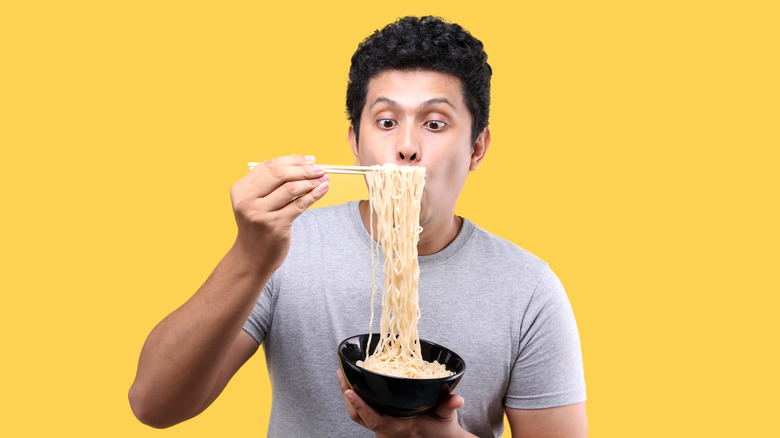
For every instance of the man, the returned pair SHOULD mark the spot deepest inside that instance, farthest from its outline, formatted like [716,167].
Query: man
[296,280]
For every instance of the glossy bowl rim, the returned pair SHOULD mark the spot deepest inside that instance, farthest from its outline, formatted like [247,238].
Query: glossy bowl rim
[431,379]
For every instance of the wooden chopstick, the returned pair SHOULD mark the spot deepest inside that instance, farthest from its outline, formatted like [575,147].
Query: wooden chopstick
[346,170]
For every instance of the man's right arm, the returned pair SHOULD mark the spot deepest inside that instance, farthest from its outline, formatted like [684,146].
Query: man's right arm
[189,357]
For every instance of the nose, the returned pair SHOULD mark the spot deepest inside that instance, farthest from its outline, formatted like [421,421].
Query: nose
[408,149]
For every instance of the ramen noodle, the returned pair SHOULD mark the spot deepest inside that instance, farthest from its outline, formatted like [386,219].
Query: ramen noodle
[394,196]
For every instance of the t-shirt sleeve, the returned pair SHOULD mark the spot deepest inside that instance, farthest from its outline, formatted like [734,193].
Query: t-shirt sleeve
[259,320]
[548,369]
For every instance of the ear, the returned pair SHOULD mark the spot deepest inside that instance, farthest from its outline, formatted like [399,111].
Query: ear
[481,147]
[352,139]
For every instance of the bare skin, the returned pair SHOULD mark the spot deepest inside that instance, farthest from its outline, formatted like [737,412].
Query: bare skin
[420,118]
[569,421]
[190,356]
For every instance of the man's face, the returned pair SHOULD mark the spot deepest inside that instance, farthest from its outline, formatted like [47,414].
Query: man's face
[419,118]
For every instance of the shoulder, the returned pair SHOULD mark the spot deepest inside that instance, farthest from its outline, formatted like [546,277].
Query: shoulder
[327,232]
[327,213]
[488,249]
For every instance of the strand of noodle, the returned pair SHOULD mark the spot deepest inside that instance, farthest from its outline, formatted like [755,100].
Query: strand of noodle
[394,196]
[374,260]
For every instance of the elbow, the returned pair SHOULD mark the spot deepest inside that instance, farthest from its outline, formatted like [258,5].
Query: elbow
[146,411]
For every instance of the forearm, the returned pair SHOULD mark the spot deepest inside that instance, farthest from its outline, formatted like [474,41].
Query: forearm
[181,359]
[192,353]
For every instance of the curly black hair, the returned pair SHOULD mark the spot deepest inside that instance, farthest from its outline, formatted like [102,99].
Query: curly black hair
[424,43]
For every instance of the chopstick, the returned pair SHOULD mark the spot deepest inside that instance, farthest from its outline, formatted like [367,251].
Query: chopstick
[346,170]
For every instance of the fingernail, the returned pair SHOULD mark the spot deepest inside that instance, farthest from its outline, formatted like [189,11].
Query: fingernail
[322,187]
[325,177]
[351,397]
[309,158]
[317,168]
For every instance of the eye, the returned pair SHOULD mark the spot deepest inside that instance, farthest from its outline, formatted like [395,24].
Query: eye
[435,125]
[387,123]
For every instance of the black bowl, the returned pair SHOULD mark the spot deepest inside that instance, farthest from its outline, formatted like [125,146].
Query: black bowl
[399,396]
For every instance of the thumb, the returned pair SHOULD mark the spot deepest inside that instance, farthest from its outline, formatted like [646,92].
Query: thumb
[447,409]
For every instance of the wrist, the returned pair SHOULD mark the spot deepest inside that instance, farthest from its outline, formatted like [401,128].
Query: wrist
[246,264]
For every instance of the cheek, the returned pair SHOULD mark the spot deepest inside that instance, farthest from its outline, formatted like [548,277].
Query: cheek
[374,151]
[453,172]
[366,154]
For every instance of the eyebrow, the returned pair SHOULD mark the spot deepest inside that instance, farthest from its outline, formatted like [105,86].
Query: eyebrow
[436,100]
[428,102]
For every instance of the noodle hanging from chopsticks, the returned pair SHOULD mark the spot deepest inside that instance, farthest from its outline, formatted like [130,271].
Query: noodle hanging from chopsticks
[394,196]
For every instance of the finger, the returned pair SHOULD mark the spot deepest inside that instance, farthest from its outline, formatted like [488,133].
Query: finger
[448,408]
[344,388]
[288,160]
[342,381]
[369,417]
[294,159]
[290,190]
[301,203]
[270,174]
[266,178]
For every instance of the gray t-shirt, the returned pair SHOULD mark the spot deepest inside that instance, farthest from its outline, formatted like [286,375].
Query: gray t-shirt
[496,305]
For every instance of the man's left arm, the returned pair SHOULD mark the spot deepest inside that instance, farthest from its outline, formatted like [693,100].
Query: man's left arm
[570,421]
[552,402]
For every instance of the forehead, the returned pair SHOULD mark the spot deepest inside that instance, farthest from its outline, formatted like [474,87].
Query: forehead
[414,87]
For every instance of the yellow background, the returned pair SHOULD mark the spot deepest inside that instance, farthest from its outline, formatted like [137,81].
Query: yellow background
[635,150]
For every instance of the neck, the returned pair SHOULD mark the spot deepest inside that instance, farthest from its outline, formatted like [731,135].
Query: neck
[435,236]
